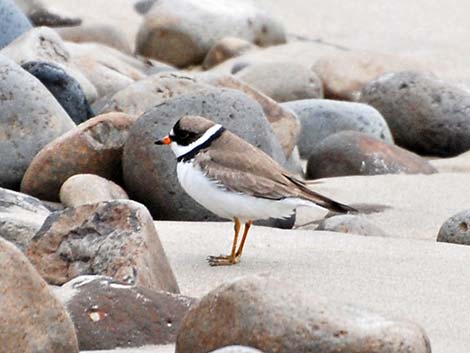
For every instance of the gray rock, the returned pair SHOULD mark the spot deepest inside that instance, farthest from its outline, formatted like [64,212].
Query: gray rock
[21,216]
[108,314]
[274,316]
[150,170]
[181,32]
[113,238]
[63,87]
[426,115]
[143,6]
[82,189]
[456,229]
[351,224]
[237,349]
[13,22]
[33,319]
[30,118]
[321,118]
[355,153]
[283,81]
[224,49]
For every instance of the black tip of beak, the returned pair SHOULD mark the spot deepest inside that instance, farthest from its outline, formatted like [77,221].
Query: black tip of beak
[159,142]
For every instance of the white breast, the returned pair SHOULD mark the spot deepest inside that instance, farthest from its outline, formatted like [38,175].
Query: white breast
[227,204]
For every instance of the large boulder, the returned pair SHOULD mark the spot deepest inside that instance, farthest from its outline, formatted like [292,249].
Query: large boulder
[30,117]
[262,312]
[113,238]
[181,32]
[33,319]
[13,22]
[426,115]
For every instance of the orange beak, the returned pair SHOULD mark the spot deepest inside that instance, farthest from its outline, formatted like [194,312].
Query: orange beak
[164,141]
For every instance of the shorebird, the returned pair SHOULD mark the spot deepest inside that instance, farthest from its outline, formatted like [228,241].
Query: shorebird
[236,180]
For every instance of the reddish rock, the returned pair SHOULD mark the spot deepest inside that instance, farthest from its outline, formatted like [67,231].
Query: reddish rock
[114,238]
[355,153]
[226,48]
[93,147]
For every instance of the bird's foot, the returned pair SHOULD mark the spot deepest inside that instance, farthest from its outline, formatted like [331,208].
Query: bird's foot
[223,260]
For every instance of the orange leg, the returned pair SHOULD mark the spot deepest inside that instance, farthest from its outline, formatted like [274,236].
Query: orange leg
[242,243]
[232,259]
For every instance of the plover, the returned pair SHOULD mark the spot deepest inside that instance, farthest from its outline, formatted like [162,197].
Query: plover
[236,180]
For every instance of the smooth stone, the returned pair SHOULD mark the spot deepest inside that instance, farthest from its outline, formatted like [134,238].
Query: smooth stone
[13,22]
[21,216]
[237,349]
[456,229]
[150,170]
[320,118]
[285,124]
[265,312]
[355,153]
[33,319]
[345,73]
[30,118]
[83,189]
[283,81]
[41,14]
[224,49]
[94,147]
[112,238]
[106,34]
[143,6]
[181,32]
[351,224]
[108,314]
[63,87]
[426,115]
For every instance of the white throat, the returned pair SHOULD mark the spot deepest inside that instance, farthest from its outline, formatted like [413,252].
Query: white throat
[179,150]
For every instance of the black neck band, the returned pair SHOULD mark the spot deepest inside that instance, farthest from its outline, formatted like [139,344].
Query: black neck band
[190,155]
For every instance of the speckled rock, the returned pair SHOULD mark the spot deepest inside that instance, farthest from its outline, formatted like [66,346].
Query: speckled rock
[262,312]
[320,118]
[108,314]
[426,115]
[226,48]
[21,216]
[283,81]
[351,224]
[63,87]
[82,189]
[30,118]
[150,170]
[355,153]
[33,319]
[112,238]
[181,32]
[13,22]
[93,147]
[456,229]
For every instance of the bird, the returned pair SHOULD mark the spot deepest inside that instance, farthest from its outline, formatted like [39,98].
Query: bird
[236,180]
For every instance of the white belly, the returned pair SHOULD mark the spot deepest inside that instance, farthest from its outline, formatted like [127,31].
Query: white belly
[227,204]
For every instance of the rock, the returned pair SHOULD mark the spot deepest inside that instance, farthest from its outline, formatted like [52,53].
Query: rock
[181,32]
[137,98]
[226,48]
[143,6]
[426,115]
[63,87]
[345,73]
[21,216]
[321,118]
[263,312]
[351,224]
[33,319]
[150,170]
[283,81]
[284,123]
[112,238]
[108,314]
[82,189]
[30,118]
[236,349]
[459,164]
[45,45]
[355,153]
[13,22]
[42,15]
[99,33]
[456,229]
[93,147]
